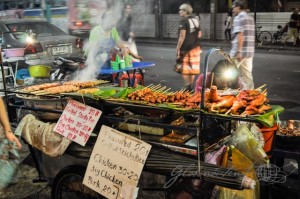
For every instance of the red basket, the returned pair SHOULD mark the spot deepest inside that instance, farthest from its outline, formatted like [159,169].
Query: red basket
[138,80]
[269,134]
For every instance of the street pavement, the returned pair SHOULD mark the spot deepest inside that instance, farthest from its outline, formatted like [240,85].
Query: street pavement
[280,48]
[24,188]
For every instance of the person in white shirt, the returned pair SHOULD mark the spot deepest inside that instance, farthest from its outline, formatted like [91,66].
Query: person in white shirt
[228,24]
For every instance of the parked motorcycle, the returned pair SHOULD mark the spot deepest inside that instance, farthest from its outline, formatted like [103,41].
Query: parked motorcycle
[68,67]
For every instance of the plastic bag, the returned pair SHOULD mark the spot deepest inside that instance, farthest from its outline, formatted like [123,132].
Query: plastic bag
[241,163]
[257,134]
[245,142]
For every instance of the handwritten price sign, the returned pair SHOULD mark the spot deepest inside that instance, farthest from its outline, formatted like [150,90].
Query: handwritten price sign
[77,122]
[116,164]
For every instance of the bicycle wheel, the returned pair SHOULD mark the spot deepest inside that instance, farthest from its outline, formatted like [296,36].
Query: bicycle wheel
[265,37]
[68,185]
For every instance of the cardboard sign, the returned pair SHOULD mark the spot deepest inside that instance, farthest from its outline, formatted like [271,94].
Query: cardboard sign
[116,163]
[77,122]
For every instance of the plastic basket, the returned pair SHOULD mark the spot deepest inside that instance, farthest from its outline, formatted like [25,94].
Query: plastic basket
[14,52]
[114,65]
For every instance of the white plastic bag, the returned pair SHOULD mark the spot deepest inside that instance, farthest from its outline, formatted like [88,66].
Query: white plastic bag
[245,142]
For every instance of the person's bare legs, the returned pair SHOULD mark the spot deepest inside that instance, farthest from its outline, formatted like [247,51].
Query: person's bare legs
[189,80]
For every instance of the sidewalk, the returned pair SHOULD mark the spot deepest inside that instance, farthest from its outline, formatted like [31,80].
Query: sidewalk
[218,43]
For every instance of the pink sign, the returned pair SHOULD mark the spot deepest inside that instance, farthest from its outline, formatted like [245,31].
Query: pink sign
[77,122]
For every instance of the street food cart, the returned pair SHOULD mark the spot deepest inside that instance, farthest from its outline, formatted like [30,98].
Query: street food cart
[176,124]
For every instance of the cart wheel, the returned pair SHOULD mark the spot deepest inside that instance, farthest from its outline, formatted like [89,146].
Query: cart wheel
[68,185]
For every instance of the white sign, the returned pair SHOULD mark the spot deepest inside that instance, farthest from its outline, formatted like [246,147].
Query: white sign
[77,122]
[116,163]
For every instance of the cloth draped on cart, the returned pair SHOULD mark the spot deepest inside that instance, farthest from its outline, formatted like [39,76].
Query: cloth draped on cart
[41,136]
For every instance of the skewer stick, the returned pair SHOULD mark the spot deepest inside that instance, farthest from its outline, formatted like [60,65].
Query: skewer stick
[166,90]
[149,85]
[228,112]
[212,79]
[260,87]
[39,91]
[264,91]
[155,87]
[44,93]
[161,89]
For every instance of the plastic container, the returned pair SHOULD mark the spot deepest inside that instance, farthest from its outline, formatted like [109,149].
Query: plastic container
[22,74]
[39,71]
[128,61]
[269,134]
[288,141]
[122,64]
[14,52]
[114,65]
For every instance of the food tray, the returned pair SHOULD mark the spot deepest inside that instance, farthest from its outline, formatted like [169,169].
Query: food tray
[288,142]
[44,103]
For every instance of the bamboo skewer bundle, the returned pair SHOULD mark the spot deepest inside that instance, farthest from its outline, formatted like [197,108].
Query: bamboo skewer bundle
[164,161]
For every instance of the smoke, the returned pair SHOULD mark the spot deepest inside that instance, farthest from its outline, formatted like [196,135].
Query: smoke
[97,50]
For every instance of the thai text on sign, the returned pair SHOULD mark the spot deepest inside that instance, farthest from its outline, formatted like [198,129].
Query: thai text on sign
[116,163]
[77,122]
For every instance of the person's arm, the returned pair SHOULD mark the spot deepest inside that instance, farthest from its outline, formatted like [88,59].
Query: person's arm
[240,37]
[6,126]
[199,34]
[198,86]
[181,39]
[131,32]
[122,45]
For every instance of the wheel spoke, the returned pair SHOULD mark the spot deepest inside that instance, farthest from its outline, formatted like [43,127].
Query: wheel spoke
[265,37]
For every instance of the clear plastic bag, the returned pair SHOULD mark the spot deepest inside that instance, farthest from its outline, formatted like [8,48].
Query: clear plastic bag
[257,134]
[245,142]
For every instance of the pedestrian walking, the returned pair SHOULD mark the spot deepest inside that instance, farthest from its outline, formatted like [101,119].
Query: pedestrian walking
[243,42]
[293,27]
[6,129]
[188,47]
[9,144]
[124,27]
[228,25]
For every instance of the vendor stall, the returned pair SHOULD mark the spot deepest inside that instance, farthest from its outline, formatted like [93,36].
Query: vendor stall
[181,126]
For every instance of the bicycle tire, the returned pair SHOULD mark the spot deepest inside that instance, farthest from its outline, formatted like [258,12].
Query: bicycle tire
[265,37]
[68,185]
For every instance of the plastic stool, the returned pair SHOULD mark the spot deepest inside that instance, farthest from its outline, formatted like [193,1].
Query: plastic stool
[139,79]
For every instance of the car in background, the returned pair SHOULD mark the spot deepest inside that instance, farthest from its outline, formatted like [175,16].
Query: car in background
[42,41]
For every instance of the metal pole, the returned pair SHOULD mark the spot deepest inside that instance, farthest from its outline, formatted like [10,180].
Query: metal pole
[200,137]
[255,11]
[3,78]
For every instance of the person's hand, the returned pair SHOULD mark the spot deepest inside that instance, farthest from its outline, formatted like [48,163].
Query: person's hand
[131,34]
[11,137]
[140,58]
[177,53]
[239,56]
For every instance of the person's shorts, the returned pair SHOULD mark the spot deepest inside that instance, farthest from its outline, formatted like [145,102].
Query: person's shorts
[191,62]
[294,32]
